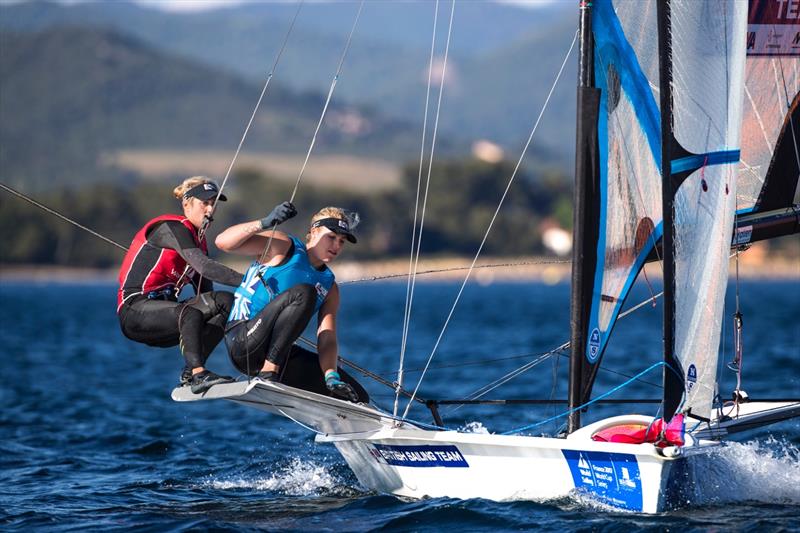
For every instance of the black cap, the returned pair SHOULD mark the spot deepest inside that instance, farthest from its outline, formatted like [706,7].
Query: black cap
[204,191]
[336,225]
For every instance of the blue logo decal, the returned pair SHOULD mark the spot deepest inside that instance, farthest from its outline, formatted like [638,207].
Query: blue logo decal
[691,377]
[594,345]
[419,456]
[613,477]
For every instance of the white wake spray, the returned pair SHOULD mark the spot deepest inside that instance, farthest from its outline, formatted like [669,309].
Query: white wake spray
[760,471]
[298,478]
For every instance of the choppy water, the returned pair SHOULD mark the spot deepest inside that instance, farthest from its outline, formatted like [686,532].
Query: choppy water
[89,438]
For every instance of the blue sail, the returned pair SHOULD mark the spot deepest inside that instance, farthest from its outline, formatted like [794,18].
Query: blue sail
[628,203]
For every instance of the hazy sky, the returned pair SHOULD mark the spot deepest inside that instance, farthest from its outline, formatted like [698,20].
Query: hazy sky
[200,5]
[195,5]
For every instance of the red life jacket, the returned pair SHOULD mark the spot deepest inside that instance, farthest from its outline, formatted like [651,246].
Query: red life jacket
[148,268]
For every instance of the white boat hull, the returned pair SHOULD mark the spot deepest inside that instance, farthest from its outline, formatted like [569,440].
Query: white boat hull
[413,462]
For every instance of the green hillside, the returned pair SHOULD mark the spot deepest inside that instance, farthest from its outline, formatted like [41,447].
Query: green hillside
[68,96]
[502,58]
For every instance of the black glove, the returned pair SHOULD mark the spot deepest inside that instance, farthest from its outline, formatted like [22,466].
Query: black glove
[279,215]
[339,389]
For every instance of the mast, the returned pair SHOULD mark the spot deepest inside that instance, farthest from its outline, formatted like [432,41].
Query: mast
[585,177]
[673,383]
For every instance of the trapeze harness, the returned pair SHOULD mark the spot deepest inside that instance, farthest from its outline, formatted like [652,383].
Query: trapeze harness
[273,306]
[153,271]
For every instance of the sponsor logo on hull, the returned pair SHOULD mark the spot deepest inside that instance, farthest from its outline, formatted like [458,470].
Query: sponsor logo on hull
[613,477]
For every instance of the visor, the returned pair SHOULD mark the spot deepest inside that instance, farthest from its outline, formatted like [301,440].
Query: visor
[204,191]
[336,225]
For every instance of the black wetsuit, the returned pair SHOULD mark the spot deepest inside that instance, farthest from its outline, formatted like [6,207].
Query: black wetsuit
[271,332]
[197,324]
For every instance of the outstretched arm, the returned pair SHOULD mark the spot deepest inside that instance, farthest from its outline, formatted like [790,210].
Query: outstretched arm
[250,238]
[176,236]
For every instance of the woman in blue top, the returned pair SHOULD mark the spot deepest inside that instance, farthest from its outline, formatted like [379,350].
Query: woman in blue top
[277,297]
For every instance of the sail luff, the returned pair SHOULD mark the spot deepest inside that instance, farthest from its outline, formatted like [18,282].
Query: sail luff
[584,227]
[673,384]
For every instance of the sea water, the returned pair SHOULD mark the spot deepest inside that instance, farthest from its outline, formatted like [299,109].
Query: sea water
[90,439]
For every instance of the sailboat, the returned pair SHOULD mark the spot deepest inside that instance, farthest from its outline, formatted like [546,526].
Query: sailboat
[660,110]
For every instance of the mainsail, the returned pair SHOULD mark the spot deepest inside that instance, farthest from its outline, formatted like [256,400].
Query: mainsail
[703,48]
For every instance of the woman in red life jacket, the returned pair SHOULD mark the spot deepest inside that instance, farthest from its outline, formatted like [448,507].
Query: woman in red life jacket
[165,255]
[278,296]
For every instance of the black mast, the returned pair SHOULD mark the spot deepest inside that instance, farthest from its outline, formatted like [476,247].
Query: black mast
[585,178]
[673,382]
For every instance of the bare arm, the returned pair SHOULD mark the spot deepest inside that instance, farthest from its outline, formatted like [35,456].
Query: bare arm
[327,345]
[249,239]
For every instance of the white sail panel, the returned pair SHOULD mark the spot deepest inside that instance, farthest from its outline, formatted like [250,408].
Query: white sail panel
[772,81]
[765,107]
[708,55]
[702,244]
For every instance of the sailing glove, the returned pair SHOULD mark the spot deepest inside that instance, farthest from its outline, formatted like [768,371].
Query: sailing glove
[338,388]
[279,215]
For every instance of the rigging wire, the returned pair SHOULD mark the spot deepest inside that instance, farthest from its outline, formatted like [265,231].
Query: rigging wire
[209,218]
[494,217]
[319,123]
[412,264]
[59,215]
[590,402]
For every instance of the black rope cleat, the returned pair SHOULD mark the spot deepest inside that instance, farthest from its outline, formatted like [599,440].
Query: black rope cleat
[202,381]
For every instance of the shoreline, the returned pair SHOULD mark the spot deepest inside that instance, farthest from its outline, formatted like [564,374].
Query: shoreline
[550,270]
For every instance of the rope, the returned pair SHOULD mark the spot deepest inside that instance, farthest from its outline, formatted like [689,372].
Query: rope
[455,269]
[59,215]
[590,402]
[207,220]
[494,217]
[319,125]
[479,393]
[413,259]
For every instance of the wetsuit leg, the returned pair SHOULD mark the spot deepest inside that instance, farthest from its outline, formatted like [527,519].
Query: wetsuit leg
[196,325]
[152,322]
[215,306]
[271,333]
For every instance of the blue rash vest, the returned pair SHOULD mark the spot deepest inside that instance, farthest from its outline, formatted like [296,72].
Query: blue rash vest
[262,283]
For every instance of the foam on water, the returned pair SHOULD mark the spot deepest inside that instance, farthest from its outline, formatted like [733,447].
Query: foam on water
[765,471]
[298,478]
[474,427]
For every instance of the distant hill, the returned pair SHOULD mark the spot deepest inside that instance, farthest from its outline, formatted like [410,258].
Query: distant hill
[68,96]
[502,61]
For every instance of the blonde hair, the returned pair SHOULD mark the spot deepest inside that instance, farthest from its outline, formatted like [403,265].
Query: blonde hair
[187,184]
[350,217]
